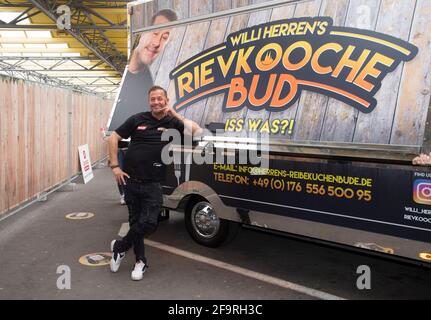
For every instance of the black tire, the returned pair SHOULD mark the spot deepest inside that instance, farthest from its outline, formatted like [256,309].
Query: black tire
[219,231]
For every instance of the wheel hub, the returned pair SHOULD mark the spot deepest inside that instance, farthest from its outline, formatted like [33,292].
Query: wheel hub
[205,221]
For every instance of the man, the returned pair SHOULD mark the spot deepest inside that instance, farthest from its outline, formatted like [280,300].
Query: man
[138,78]
[143,171]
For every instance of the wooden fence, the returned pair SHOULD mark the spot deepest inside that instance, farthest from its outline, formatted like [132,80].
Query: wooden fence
[41,128]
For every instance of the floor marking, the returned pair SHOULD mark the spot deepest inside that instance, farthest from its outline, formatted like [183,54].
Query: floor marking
[245,272]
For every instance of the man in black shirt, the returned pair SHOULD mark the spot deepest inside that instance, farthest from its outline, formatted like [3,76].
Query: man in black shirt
[143,172]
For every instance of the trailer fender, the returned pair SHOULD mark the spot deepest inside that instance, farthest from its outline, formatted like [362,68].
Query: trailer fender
[185,192]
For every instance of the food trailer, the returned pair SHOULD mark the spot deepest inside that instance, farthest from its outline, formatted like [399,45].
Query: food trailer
[314,111]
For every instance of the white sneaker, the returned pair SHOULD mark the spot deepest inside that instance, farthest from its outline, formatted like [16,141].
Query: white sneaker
[138,271]
[122,201]
[116,258]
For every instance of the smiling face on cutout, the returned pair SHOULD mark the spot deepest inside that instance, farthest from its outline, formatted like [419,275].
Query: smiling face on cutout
[152,43]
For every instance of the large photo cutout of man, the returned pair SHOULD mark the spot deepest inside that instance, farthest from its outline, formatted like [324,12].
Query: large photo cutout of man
[137,80]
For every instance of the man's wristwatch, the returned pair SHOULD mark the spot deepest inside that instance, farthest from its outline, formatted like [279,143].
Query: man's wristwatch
[114,166]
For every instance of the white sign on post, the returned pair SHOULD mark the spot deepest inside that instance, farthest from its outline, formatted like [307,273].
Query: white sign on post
[84,158]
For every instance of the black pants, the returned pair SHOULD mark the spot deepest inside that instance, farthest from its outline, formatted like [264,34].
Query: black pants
[144,201]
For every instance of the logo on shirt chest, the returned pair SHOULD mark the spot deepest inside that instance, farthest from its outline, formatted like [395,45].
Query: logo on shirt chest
[141,128]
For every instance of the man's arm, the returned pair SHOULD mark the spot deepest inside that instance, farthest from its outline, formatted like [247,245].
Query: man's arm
[113,159]
[113,148]
[190,127]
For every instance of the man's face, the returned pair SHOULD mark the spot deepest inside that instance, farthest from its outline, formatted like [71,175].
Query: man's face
[152,43]
[158,101]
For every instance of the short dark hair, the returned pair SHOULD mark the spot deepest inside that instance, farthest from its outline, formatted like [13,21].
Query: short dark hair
[169,14]
[154,88]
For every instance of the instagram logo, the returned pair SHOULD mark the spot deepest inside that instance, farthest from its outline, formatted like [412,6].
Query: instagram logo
[422,191]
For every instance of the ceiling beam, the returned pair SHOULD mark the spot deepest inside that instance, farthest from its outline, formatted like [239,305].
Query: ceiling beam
[44,50]
[106,73]
[42,78]
[92,77]
[47,58]
[6,26]
[49,40]
[101,6]
[103,48]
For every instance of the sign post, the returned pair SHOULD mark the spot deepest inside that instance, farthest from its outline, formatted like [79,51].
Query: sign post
[84,158]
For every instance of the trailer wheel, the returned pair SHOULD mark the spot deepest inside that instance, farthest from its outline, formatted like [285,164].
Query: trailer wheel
[205,227]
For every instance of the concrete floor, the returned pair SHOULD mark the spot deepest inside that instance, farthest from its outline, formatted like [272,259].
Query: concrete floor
[39,239]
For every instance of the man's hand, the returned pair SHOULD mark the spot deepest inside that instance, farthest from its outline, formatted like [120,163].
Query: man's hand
[169,111]
[422,160]
[120,175]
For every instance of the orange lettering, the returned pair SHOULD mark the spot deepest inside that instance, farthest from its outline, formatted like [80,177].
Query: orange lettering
[354,65]
[270,86]
[276,100]
[236,87]
[370,70]
[307,56]
[315,60]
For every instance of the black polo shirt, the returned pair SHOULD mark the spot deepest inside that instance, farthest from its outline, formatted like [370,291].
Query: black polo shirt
[133,96]
[143,158]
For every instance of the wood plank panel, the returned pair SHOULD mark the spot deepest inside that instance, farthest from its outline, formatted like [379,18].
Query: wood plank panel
[200,7]
[137,18]
[193,43]
[256,18]
[157,63]
[222,5]
[340,118]
[395,19]
[3,146]
[414,95]
[284,12]
[182,8]
[213,105]
[337,10]
[312,107]
[213,109]
[216,35]
[309,116]
[165,4]
[240,3]
[169,57]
